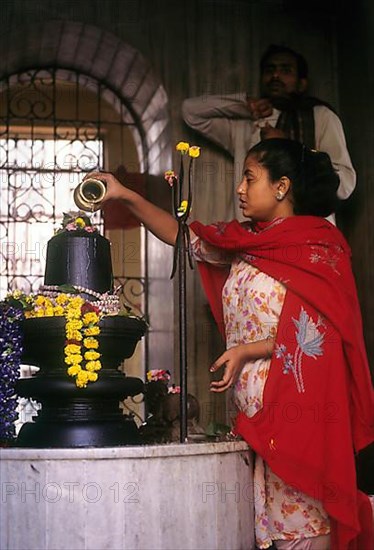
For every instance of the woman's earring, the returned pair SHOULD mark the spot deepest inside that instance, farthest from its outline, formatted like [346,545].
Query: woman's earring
[279,196]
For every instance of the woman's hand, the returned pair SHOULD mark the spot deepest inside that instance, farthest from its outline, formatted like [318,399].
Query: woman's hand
[162,224]
[115,190]
[233,359]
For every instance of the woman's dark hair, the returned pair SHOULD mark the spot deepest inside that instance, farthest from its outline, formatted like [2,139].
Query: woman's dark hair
[314,182]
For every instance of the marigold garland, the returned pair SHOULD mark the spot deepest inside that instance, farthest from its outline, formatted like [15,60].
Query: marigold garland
[81,330]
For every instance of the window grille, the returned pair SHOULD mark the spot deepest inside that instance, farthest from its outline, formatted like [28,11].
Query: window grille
[37,180]
[56,125]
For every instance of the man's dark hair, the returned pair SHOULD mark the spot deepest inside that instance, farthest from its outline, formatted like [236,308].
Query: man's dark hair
[273,49]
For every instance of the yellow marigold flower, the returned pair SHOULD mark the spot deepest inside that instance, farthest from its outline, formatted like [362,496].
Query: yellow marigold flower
[40,300]
[39,313]
[48,312]
[62,299]
[76,301]
[90,318]
[73,370]
[92,376]
[72,348]
[90,343]
[90,366]
[91,355]
[58,311]
[74,324]
[80,223]
[183,147]
[91,331]
[93,365]
[74,335]
[194,151]
[182,208]
[73,313]
[81,379]
[73,359]
[83,374]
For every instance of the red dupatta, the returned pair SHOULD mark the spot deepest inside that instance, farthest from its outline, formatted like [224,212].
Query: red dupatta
[318,397]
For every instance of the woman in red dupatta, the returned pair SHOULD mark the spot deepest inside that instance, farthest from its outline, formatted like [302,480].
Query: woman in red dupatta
[314,409]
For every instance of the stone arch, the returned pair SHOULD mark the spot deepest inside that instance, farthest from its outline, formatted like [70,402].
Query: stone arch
[76,46]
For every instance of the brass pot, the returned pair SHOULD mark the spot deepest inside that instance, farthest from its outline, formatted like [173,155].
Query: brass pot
[88,195]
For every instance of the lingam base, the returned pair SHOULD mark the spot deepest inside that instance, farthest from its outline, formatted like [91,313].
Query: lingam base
[79,417]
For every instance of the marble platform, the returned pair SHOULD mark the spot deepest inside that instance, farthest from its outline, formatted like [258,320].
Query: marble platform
[189,497]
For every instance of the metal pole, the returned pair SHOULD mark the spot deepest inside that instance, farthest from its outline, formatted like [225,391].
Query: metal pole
[182,334]
[181,249]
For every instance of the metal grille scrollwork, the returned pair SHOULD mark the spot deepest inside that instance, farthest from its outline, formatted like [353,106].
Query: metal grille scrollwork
[55,126]
[131,291]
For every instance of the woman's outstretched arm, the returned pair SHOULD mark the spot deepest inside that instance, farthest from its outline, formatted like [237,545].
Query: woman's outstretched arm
[162,224]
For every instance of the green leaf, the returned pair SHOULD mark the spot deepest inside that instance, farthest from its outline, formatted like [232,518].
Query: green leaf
[68,289]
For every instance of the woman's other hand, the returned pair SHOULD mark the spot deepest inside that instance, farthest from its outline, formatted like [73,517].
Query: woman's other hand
[233,360]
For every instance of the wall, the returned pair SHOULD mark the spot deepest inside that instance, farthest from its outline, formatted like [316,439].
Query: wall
[356,88]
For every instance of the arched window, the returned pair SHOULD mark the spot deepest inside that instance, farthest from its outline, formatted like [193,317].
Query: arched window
[56,127]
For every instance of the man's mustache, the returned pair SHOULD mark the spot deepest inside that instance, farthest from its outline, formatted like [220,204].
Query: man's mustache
[276,81]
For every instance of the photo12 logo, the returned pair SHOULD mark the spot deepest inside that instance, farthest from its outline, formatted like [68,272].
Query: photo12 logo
[69,491]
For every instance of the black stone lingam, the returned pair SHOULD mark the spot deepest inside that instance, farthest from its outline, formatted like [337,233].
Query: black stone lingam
[79,417]
[72,416]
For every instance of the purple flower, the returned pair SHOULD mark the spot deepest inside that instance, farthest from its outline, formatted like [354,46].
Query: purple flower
[10,359]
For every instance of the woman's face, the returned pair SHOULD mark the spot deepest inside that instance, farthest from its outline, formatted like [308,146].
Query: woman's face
[257,193]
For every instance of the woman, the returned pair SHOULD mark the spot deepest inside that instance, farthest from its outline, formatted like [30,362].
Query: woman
[281,288]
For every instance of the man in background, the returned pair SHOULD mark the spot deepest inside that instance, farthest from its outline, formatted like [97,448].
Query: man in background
[237,122]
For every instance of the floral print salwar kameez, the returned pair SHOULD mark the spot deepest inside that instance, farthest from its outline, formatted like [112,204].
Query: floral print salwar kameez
[292,278]
[252,303]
